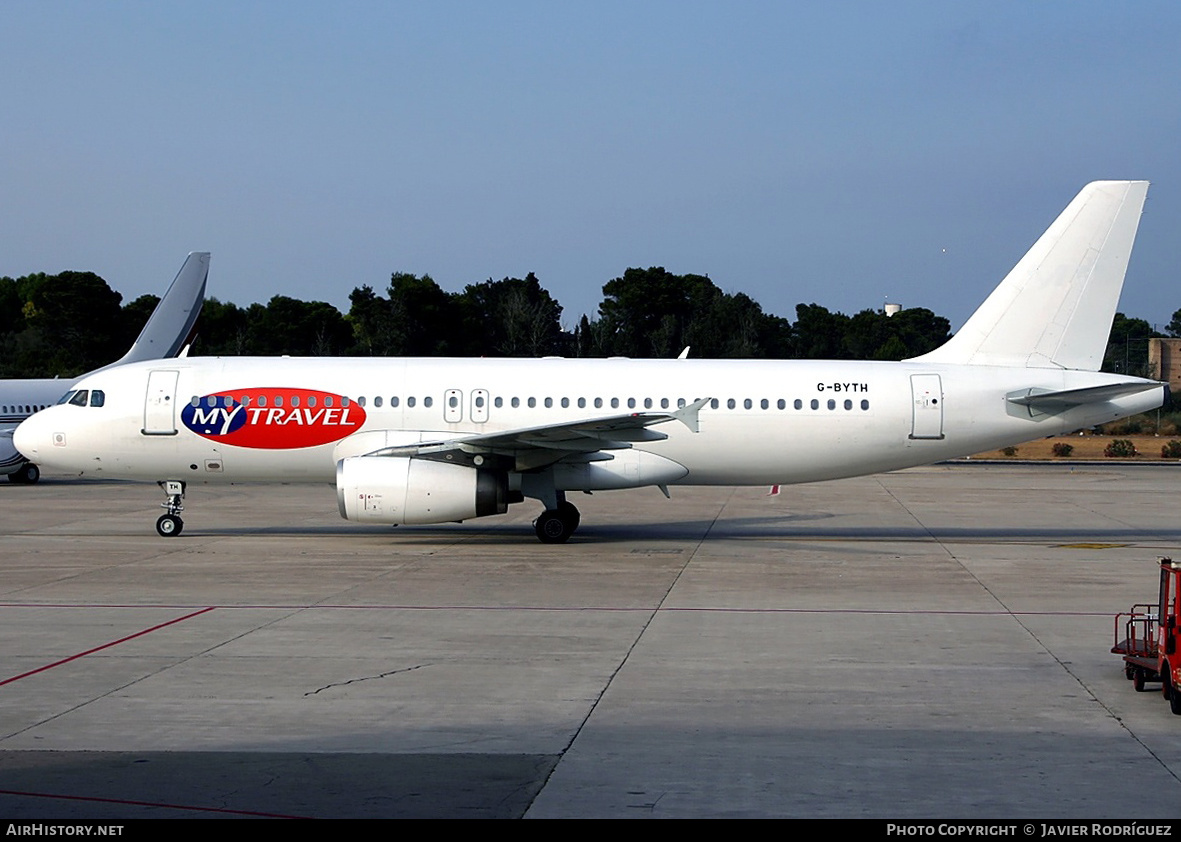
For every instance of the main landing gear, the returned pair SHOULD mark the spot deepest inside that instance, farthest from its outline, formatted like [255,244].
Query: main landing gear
[26,474]
[555,526]
[170,525]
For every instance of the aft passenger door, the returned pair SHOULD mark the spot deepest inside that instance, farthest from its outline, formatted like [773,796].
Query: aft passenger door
[927,416]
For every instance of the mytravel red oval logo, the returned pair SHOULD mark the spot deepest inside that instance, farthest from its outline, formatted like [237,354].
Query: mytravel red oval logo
[273,419]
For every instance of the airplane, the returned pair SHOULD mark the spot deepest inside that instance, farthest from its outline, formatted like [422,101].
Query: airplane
[165,334]
[425,441]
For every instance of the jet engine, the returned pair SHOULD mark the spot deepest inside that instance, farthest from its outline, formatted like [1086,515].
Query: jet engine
[398,489]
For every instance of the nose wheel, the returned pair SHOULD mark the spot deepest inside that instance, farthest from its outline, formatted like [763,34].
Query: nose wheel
[170,525]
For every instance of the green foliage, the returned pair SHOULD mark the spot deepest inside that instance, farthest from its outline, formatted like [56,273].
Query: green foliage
[1132,426]
[654,313]
[1120,449]
[282,326]
[221,330]
[872,335]
[68,323]
[61,325]
[512,317]
[1062,449]
[1127,346]
[1171,450]
[1174,326]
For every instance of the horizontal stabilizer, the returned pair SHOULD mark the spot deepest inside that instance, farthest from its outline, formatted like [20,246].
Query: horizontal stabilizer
[1056,400]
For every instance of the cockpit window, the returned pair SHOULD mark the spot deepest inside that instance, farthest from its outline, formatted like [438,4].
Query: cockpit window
[80,397]
[66,397]
[98,397]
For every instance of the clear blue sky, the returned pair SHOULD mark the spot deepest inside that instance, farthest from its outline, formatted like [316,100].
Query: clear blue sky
[839,153]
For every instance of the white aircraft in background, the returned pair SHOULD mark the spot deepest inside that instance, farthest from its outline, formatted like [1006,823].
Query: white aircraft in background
[417,441]
[165,334]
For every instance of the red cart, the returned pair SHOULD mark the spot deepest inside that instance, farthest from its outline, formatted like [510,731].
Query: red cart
[1147,638]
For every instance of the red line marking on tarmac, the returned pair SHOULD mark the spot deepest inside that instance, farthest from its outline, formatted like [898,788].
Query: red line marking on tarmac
[106,646]
[149,804]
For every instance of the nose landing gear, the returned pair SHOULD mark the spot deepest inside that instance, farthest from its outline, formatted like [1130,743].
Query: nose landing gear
[170,525]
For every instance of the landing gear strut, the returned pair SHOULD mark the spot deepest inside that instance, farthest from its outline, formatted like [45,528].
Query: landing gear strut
[170,525]
[555,526]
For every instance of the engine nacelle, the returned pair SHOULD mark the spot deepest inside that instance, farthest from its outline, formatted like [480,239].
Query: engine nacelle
[397,489]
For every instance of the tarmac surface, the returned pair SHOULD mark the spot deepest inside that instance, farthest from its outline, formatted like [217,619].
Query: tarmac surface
[932,643]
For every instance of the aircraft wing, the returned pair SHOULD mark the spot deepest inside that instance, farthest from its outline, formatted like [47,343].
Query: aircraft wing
[535,447]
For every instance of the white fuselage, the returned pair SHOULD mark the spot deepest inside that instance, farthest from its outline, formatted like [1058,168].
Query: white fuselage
[773,421]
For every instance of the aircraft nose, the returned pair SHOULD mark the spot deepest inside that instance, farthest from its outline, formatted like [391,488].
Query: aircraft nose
[27,437]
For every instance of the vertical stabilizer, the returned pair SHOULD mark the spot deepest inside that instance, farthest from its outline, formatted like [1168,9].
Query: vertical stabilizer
[168,328]
[1054,310]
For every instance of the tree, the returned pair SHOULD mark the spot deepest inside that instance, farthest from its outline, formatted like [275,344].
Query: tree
[290,326]
[69,323]
[1174,326]
[373,323]
[425,321]
[653,313]
[221,329]
[513,317]
[1127,346]
[820,334]
[136,315]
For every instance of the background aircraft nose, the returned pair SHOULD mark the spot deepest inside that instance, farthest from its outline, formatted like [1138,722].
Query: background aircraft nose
[27,435]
